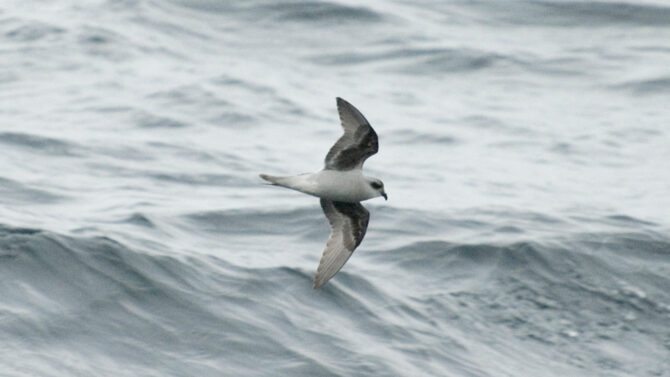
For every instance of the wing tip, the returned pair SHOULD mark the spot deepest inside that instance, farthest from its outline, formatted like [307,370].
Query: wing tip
[341,102]
[323,273]
[319,280]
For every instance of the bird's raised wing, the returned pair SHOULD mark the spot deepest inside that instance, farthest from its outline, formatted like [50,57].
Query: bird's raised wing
[358,142]
[348,222]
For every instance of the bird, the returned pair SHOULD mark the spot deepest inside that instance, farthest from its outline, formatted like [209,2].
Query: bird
[341,187]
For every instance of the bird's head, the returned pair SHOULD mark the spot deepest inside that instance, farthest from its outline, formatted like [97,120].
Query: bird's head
[377,186]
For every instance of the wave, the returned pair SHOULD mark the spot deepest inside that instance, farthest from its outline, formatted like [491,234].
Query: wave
[306,11]
[259,222]
[424,61]
[565,293]
[589,14]
[104,301]
[19,30]
[13,191]
[597,13]
[313,11]
[41,144]
[651,86]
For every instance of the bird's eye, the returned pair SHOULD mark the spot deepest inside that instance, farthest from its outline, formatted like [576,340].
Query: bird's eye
[375,185]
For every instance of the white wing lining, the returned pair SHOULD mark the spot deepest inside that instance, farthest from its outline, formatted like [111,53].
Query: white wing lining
[348,227]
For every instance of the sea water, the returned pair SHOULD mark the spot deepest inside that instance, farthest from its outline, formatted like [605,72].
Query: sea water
[524,145]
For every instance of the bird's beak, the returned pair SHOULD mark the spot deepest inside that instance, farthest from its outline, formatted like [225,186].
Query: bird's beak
[385,196]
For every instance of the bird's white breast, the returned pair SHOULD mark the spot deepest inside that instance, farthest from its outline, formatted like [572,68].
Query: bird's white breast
[343,186]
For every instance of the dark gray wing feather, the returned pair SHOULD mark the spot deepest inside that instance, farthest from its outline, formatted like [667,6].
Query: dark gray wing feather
[358,142]
[348,222]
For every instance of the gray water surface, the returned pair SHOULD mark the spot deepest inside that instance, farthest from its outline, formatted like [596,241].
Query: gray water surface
[524,146]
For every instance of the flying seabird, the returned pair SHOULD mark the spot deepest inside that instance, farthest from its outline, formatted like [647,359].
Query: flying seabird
[341,186]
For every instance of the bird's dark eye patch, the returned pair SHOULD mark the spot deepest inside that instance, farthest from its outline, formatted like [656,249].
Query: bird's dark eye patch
[375,185]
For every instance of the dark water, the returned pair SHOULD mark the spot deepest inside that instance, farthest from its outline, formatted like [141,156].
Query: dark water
[524,146]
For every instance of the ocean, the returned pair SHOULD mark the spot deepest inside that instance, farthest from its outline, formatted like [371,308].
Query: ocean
[524,146]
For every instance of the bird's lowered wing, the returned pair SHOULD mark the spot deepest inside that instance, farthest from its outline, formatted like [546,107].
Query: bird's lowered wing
[348,222]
